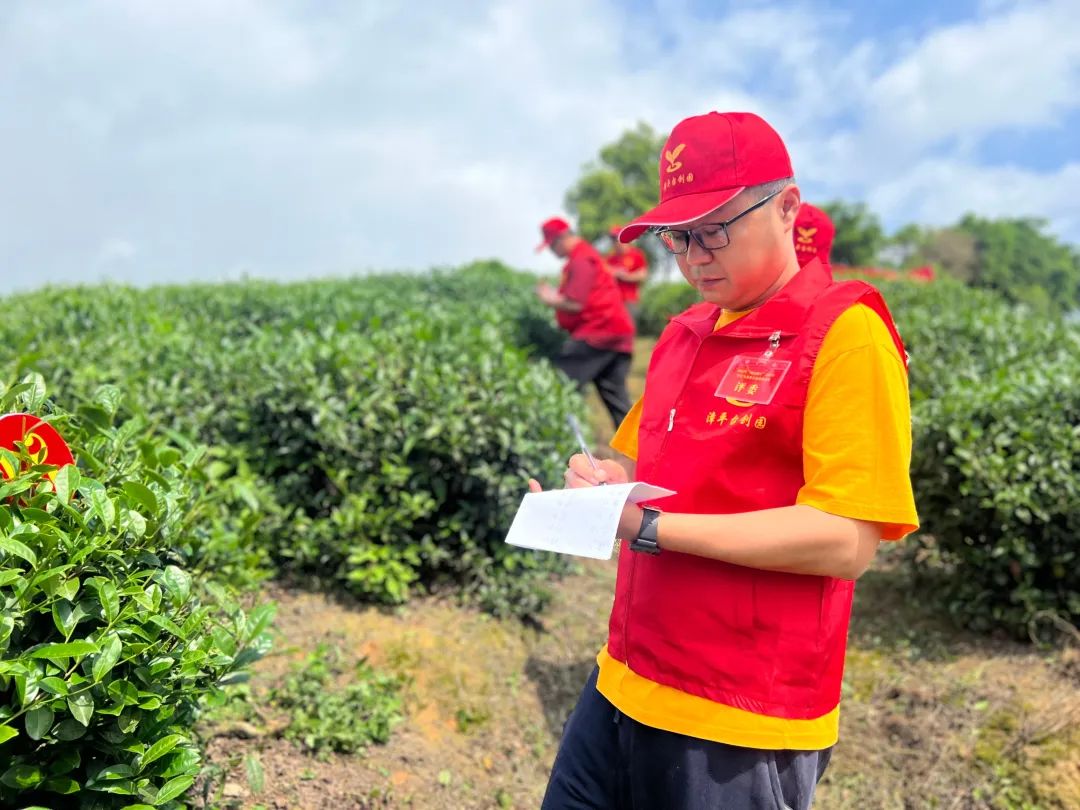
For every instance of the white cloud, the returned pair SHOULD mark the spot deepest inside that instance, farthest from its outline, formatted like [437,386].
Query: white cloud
[1017,69]
[940,192]
[287,139]
[917,117]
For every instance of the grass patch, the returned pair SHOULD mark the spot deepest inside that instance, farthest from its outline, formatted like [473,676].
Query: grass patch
[334,707]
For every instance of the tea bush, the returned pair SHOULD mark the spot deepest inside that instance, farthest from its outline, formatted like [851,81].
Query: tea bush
[376,432]
[997,471]
[995,463]
[400,455]
[107,645]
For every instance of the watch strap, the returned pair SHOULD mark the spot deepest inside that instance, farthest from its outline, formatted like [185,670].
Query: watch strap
[646,538]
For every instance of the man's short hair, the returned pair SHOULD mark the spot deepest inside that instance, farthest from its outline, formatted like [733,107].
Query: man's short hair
[763,190]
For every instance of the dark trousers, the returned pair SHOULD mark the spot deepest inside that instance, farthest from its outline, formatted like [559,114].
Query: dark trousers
[606,368]
[607,761]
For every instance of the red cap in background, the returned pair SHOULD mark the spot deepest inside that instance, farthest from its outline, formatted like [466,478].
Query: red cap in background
[813,234]
[552,229]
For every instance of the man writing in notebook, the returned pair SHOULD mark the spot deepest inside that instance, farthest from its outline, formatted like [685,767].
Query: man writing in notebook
[778,411]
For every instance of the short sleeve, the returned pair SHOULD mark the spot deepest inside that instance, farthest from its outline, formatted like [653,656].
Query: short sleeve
[857,427]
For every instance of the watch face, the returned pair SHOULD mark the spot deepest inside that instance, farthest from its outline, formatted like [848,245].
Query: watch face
[648,524]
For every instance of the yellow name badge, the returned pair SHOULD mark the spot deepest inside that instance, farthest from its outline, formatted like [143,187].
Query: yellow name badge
[752,379]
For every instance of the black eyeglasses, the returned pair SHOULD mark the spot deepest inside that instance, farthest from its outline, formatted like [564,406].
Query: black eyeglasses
[711,236]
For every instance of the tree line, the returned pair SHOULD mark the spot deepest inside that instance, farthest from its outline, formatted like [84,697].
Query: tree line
[1016,257]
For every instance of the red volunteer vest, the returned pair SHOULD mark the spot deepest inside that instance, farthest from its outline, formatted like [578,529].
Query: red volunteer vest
[604,321]
[632,259]
[766,642]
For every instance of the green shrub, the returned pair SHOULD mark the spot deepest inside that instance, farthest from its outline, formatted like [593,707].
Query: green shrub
[334,709]
[996,468]
[417,459]
[107,645]
[374,431]
[994,463]
[511,295]
[956,335]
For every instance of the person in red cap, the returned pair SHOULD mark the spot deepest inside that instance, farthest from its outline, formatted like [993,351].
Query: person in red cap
[814,233]
[589,307]
[777,410]
[629,267]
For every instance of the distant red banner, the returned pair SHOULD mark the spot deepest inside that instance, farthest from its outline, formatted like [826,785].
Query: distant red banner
[40,438]
[923,274]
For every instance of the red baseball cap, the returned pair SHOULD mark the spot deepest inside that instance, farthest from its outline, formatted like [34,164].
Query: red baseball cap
[552,229]
[813,234]
[707,161]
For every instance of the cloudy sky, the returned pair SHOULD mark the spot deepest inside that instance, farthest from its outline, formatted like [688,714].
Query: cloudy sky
[146,141]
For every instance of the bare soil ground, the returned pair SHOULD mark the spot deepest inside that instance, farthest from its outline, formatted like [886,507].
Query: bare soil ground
[932,717]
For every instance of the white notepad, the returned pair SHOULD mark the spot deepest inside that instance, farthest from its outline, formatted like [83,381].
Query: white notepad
[581,521]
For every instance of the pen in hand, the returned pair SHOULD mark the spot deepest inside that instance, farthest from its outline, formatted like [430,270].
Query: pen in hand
[574,426]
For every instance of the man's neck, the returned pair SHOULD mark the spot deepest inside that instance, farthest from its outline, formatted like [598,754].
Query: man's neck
[791,269]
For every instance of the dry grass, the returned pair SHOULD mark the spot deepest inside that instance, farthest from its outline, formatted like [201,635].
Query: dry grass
[937,718]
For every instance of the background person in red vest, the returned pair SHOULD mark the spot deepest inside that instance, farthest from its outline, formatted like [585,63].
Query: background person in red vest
[589,307]
[778,411]
[814,233]
[630,268]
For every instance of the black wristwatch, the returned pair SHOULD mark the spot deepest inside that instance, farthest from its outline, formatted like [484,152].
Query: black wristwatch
[646,536]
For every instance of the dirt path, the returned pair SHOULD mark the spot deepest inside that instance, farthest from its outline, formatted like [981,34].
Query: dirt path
[485,704]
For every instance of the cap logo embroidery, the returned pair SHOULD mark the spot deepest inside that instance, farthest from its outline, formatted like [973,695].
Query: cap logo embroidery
[672,157]
[806,235]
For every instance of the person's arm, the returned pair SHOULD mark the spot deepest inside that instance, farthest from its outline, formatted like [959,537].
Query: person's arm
[578,281]
[631,268]
[632,276]
[794,539]
[556,300]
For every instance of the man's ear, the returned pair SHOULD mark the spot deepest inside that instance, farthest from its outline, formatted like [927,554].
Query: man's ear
[790,200]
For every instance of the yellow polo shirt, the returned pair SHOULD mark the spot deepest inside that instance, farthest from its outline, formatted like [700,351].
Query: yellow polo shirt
[856,459]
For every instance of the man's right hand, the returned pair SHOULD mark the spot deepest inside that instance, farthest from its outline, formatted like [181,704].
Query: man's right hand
[579,473]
